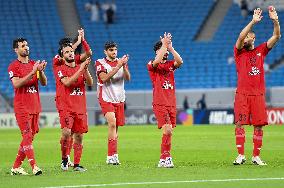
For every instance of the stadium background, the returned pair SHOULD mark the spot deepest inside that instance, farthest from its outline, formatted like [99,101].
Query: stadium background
[204,33]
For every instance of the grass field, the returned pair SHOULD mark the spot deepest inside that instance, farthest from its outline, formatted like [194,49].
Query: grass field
[199,152]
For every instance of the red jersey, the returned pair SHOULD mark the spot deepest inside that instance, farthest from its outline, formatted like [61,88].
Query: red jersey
[26,98]
[250,71]
[57,62]
[72,98]
[163,81]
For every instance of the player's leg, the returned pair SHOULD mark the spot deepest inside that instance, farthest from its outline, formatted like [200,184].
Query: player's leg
[164,123]
[16,169]
[70,146]
[241,111]
[259,119]
[112,137]
[28,125]
[78,149]
[80,127]
[120,120]
[166,144]
[66,121]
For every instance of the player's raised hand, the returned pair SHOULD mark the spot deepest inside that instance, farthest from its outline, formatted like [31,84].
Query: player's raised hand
[166,39]
[81,34]
[85,64]
[123,61]
[35,67]
[272,13]
[257,15]
[42,65]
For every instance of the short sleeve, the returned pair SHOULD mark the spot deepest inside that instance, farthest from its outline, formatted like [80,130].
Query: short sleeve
[150,66]
[264,49]
[57,61]
[237,52]
[61,73]
[99,68]
[13,71]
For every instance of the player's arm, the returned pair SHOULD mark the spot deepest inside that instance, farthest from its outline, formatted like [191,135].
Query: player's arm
[105,77]
[178,60]
[41,76]
[163,50]
[19,82]
[126,73]
[68,81]
[88,76]
[276,31]
[256,18]
[88,52]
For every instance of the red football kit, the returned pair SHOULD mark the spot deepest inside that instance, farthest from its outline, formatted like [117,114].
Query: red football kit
[111,95]
[164,98]
[26,101]
[57,62]
[73,112]
[249,104]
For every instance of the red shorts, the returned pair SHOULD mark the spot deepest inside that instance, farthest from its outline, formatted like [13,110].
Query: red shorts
[250,110]
[28,122]
[117,108]
[165,115]
[78,123]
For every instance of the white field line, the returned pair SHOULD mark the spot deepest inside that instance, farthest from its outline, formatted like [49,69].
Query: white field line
[166,182]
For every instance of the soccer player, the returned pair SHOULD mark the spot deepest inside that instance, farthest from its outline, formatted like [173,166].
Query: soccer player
[111,73]
[58,61]
[249,107]
[73,110]
[24,74]
[161,71]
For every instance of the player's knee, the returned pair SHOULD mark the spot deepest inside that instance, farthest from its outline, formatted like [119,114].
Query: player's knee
[78,138]
[27,138]
[66,133]
[112,123]
[168,129]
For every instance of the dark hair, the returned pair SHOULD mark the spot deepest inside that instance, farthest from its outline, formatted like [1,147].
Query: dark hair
[17,40]
[60,52]
[110,44]
[157,46]
[65,40]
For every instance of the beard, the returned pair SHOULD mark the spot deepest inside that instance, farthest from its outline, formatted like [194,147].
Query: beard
[69,60]
[25,54]
[247,46]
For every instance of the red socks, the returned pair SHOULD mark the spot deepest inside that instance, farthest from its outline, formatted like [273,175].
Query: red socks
[64,147]
[257,141]
[166,146]
[240,140]
[70,144]
[78,148]
[20,158]
[28,148]
[112,147]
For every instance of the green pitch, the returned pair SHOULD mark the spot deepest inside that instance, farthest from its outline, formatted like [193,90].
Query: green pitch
[199,153]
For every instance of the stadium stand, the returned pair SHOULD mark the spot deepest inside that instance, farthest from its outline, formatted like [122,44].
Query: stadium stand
[38,21]
[138,25]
